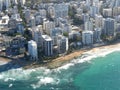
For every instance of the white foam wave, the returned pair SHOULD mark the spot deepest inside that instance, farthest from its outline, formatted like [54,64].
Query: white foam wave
[10,85]
[9,79]
[88,56]
[44,81]
[45,76]
[16,74]
[3,62]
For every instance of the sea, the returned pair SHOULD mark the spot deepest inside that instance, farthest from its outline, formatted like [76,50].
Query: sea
[91,71]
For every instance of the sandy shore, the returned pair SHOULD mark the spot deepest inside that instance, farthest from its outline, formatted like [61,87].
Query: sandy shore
[63,60]
[4,60]
[67,58]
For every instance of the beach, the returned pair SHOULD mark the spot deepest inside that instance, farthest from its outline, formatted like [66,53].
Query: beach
[60,61]
[74,71]
[67,58]
[4,61]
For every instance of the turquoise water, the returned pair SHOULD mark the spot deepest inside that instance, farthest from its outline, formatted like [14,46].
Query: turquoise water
[101,73]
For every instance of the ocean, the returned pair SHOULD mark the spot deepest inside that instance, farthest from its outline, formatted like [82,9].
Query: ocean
[92,71]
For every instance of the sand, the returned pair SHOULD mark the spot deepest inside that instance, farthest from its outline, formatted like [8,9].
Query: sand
[4,60]
[67,58]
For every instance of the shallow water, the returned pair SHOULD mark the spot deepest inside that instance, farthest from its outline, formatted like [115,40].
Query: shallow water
[100,73]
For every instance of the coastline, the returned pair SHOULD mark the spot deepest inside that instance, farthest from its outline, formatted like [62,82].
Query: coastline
[67,58]
[60,61]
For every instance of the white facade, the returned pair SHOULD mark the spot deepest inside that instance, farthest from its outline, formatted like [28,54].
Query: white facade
[14,1]
[107,12]
[47,45]
[87,37]
[47,26]
[32,49]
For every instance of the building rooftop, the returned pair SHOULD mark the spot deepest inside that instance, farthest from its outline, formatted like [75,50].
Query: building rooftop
[32,42]
[88,32]
[46,37]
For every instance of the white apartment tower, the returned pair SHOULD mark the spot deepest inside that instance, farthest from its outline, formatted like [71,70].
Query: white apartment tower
[32,50]
[47,26]
[47,45]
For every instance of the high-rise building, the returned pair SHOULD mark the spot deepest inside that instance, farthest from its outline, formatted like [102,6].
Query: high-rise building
[1,5]
[43,13]
[88,25]
[107,12]
[61,10]
[94,10]
[88,3]
[37,35]
[116,11]
[87,37]
[85,17]
[32,50]
[97,35]
[51,11]
[98,21]
[14,1]
[54,34]
[27,15]
[22,2]
[62,44]
[48,25]
[32,21]
[109,27]
[6,3]
[47,45]
[20,28]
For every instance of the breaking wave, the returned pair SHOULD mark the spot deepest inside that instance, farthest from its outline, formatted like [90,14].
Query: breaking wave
[43,76]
